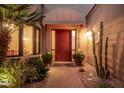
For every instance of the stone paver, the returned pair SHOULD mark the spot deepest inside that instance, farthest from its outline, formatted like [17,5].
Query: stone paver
[67,75]
[61,75]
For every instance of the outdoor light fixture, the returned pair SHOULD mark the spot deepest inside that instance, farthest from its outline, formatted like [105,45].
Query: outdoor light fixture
[89,34]
[25,39]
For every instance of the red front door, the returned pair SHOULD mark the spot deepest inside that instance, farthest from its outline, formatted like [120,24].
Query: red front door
[63,45]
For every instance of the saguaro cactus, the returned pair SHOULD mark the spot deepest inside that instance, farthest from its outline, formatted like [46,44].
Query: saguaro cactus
[94,53]
[106,58]
[101,70]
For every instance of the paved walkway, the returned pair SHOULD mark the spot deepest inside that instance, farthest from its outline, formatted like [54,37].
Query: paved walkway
[61,75]
[67,75]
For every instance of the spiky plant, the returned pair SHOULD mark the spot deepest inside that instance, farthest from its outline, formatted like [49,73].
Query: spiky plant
[15,74]
[100,50]
[94,53]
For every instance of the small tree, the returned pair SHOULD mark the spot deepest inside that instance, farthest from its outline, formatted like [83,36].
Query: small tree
[4,42]
[13,16]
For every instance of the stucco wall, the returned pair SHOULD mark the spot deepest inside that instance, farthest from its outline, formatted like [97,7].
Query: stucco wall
[113,18]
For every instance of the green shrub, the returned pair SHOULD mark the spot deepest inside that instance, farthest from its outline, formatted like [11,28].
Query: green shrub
[47,58]
[78,58]
[103,84]
[15,74]
[39,65]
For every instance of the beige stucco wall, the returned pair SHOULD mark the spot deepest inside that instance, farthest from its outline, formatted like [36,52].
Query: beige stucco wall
[85,43]
[113,18]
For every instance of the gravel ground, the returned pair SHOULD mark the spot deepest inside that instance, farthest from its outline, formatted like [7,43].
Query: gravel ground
[90,79]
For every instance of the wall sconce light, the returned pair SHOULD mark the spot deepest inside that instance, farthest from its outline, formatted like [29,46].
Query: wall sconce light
[89,34]
[25,39]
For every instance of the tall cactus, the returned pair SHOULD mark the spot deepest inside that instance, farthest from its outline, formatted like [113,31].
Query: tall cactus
[101,70]
[100,51]
[94,53]
[106,53]
[106,58]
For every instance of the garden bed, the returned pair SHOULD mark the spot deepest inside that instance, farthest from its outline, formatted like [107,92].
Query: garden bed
[90,79]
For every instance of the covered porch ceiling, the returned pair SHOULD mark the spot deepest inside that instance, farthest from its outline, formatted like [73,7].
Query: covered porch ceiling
[66,13]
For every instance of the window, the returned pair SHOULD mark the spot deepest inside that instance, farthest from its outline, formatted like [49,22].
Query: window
[37,41]
[53,43]
[73,35]
[28,40]
[14,44]
[73,40]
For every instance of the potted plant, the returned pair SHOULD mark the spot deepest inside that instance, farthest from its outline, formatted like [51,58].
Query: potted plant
[78,58]
[47,58]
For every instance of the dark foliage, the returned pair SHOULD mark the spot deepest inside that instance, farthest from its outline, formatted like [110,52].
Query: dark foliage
[39,65]
[47,58]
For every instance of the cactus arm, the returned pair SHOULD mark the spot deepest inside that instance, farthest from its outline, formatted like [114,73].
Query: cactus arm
[94,53]
[100,46]
[106,59]
[106,53]
[101,68]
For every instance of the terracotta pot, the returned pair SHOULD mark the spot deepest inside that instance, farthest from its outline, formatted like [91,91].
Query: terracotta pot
[78,63]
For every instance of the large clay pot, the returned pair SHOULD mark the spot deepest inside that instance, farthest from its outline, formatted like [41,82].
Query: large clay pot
[78,63]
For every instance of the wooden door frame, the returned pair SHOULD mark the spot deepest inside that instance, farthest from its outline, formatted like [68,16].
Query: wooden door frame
[70,39]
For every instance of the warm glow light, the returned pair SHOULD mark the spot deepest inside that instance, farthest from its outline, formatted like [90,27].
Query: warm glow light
[12,26]
[9,26]
[6,25]
[89,34]
[25,39]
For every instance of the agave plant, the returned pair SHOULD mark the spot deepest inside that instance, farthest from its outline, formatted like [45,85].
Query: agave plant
[16,74]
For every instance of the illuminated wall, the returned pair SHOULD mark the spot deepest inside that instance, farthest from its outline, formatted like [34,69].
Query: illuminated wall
[86,45]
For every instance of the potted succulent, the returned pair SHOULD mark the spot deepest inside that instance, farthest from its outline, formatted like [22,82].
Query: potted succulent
[47,58]
[78,58]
